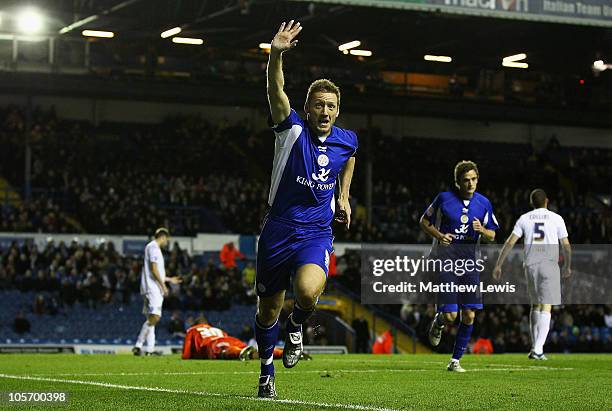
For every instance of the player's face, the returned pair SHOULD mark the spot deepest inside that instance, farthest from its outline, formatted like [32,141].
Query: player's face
[165,241]
[468,183]
[321,112]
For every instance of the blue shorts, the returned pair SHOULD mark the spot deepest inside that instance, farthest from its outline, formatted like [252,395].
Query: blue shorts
[452,301]
[283,248]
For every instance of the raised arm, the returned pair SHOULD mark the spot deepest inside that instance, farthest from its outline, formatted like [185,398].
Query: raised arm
[277,98]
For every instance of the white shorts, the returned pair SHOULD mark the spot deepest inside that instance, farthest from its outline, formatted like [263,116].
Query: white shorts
[544,283]
[152,303]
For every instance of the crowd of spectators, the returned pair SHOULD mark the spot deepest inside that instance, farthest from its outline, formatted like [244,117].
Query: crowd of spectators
[186,173]
[37,215]
[574,178]
[63,274]
[118,178]
[195,176]
[574,328]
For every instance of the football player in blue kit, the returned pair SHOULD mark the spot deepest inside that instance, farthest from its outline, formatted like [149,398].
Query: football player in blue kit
[311,156]
[457,220]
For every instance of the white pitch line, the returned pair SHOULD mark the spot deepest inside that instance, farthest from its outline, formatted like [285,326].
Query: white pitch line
[200,393]
[416,361]
[382,370]
[226,372]
[523,369]
[494,365]
[366,359]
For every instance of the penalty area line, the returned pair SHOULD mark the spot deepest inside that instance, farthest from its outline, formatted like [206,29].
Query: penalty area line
[199,393]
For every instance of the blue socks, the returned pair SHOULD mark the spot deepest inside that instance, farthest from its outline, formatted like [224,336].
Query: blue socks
[266,338]
[461,340]
[297,317]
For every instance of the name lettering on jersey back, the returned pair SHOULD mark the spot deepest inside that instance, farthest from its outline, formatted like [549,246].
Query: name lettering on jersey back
[538,217]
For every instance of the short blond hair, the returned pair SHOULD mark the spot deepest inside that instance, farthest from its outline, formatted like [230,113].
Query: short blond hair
[323,85]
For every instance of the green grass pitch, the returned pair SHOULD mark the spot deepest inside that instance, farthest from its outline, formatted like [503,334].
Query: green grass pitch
[359,382]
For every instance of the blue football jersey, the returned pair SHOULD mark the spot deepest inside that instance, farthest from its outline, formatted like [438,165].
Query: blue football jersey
[452,214]
[305,171]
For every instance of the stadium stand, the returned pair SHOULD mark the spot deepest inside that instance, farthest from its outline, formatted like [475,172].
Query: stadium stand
[66,292]
[112,322]
[101,192]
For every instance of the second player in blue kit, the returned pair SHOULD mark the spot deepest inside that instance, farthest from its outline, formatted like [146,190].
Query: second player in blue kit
[311,157]
[457,220]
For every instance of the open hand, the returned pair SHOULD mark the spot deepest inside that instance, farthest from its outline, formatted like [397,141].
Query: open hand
[174,280]
[284,38]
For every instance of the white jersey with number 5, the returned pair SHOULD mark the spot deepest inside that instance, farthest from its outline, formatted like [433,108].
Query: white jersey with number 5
[152,254]
[542,229]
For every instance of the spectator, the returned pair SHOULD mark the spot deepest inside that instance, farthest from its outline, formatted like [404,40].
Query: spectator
[483,346]
[332,271]
[189,322]
[248,275]
[21,325]
[176,324]
[608,316]
[383,344]
[362,334]
[228,255]
[40,306]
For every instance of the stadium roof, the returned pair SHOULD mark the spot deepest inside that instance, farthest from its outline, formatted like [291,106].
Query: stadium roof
[398,38]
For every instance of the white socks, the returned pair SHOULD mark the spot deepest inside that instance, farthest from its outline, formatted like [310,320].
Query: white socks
[533,327]
[543,325]
[147,332]
[150,339]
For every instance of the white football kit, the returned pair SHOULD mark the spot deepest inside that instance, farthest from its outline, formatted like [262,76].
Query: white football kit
[149,288]
[542,230]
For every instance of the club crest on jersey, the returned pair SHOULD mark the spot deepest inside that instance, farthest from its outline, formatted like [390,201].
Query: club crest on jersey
[323,160]
[464,219]
[465,210]
[323,174]
[462,230]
